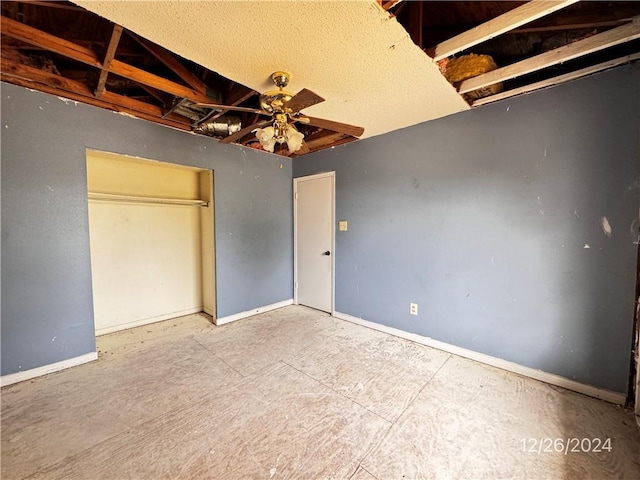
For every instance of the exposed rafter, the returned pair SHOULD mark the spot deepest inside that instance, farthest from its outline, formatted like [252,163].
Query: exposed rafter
[32,77]
[237,95]
[497,26]
[567,77]
[76,52]
[108,58]
[172,63]
[322,138]
[616,36]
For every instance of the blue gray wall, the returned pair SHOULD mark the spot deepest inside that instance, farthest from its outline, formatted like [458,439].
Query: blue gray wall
[490,220]
[47,306]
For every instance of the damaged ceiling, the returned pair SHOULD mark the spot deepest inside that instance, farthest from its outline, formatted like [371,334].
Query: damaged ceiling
[371,61]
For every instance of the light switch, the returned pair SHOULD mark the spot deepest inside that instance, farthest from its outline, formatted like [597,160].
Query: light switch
[342,225]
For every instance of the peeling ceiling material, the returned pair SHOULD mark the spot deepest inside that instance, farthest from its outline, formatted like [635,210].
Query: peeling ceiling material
[351,53]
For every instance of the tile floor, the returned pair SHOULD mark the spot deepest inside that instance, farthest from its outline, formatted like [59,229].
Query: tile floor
[297,394]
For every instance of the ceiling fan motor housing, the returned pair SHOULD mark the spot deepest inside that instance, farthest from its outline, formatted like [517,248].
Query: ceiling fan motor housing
[275,101]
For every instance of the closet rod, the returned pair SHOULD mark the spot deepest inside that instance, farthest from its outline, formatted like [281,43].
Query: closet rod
[111,197]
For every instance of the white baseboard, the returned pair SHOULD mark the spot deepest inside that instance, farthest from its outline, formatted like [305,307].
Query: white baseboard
[12,378]
[250,313]
[147,321]
[209,311]
[557,380]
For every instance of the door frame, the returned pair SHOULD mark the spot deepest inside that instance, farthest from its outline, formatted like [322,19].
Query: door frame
[332,175]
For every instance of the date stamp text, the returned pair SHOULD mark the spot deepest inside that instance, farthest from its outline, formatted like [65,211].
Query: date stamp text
[566,446]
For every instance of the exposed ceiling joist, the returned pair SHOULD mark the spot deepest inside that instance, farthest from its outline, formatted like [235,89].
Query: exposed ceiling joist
[76,52]
[497,26]
[172,63]
[41,39]
[322,139]
[141,76]
[237,95]
[612,37]
[572,26]
[567,77]
[325,139]
[163,97]
[32,77]
[108,58]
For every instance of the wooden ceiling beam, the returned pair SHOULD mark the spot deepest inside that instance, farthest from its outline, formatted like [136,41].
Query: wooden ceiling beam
[558,79]
[562,54]
[92,101]
[108,58]
[31,77]
[68,49]
[510,20]
[326,137]
[124,50]
[33,36]
[157,94]
[330,141]
[141,76]
[573,26]
[340,141]
[172,63]
[237,95]
[587,16]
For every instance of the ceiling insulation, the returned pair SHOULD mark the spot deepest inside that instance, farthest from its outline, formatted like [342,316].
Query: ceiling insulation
[350,52]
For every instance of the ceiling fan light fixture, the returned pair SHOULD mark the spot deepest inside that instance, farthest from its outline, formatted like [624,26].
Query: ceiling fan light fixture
[294,139]
[280,133]
[266,137]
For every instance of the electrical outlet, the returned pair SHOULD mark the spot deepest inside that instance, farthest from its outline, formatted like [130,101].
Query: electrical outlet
[342,225]
[413,309]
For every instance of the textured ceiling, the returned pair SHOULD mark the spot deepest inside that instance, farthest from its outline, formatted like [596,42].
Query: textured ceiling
[349,52]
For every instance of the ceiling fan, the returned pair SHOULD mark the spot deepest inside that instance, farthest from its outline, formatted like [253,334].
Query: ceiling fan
[284,109]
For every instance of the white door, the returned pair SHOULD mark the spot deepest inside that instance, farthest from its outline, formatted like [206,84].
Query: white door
[313,211]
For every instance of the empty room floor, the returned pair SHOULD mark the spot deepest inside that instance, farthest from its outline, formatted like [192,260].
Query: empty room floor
[295,393]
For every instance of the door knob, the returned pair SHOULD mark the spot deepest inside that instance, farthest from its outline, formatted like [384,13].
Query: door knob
[327,253]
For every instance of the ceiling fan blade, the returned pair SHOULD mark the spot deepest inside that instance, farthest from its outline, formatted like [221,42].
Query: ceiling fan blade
[303,99]
[331,125]
[245,131]
[231,107]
